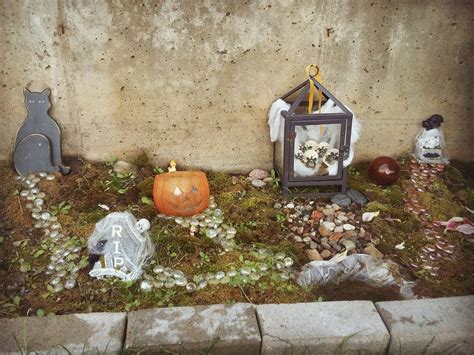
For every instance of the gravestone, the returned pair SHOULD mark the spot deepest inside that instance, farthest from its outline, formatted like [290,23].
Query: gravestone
[122,245]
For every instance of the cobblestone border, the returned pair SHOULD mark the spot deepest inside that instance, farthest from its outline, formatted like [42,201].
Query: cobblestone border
[409,327]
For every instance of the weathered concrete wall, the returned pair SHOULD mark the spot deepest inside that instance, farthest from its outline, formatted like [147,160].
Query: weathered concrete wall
[193,80]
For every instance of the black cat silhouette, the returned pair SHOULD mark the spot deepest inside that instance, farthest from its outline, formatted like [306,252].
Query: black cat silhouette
[38,142]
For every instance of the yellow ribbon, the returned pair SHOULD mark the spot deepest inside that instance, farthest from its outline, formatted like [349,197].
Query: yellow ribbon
[317,75]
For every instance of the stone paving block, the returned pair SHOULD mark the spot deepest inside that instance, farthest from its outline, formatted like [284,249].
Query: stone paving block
[322,328]
[221,329]
[430,326]
[91,333]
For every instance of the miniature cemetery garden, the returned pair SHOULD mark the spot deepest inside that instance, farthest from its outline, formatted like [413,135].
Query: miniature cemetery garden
[248,246]
[81,236]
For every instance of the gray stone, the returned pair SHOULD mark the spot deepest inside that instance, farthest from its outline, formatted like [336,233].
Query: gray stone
[322,328]
[123,167]
[258,183]
[441,326]
[341,200]
[357,196]
[259,174]
[91,333]
[221,329]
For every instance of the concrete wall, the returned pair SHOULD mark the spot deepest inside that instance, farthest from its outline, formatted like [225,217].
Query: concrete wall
[193,80]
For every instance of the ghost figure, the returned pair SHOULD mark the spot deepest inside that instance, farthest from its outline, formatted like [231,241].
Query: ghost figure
[431,139]
[429,143]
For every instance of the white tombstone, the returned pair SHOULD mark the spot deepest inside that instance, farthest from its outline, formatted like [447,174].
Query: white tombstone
[123,244]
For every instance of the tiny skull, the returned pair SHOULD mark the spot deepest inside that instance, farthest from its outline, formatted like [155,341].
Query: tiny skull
[310,144]
[331,157]
[143,225]
[299,155]
[302,148]
[322,149]
[310,158]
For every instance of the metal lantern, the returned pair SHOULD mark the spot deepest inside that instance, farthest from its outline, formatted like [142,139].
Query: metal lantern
[311,147]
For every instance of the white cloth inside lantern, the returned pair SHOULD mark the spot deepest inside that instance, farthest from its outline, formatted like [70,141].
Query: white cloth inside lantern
[330,134]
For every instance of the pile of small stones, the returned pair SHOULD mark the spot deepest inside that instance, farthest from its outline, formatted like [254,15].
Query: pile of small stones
[65,254]
[325,229]
[278,264]
[209,223]
[437,247]
[259,177]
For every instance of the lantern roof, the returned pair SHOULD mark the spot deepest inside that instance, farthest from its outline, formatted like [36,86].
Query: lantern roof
[302,91]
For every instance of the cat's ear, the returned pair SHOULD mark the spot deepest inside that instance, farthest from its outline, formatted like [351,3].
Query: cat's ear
[46,92]
[26,91]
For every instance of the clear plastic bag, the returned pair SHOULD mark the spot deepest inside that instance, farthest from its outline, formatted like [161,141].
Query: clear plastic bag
[356,267]
[429,143]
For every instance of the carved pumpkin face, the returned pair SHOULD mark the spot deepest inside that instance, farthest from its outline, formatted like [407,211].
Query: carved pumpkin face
[182,193]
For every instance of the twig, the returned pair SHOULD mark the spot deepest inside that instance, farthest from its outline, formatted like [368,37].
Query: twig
[19,202]
[245,295]
[86,179]
[177,262]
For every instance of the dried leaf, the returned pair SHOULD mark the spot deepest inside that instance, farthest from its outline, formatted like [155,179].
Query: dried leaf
[339,257]
[390,219]
[400,246]
[368,216]
[465,228]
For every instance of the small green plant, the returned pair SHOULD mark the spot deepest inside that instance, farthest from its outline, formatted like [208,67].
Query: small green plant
[62,208]
[245,226]
[146,200]
[205,258]
[275,179]
[157,170]
[111,161]
[241,194]
[120,182]
[353,171]
[131,305]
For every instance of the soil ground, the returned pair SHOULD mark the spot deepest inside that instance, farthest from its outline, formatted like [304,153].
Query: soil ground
[250,210]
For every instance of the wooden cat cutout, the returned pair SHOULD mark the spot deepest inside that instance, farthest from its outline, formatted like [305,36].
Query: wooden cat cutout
[38,141]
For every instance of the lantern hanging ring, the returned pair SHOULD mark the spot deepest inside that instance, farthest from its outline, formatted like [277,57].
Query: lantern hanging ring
[312,66]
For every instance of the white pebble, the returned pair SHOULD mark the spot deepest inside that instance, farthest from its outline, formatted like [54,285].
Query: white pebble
[348,227]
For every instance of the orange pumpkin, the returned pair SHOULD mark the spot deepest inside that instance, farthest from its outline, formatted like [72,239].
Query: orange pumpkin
[181,193]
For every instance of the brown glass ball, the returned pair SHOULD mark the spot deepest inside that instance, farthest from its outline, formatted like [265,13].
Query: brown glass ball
[384,171]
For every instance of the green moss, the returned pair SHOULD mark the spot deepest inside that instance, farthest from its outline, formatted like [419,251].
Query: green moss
[408,221]
[440,208]
[466,196]
[141,160]
[146,186]
[375,206]
[392,194]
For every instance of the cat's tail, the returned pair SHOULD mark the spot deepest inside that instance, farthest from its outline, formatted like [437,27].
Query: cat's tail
[65,170]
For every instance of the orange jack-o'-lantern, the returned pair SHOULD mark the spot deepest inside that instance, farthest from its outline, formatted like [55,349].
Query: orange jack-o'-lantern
[181,193]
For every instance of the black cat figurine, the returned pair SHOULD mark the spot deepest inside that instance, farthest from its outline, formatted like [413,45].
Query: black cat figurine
[38,142]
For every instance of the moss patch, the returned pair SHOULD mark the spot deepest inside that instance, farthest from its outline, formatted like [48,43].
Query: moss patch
[248,209]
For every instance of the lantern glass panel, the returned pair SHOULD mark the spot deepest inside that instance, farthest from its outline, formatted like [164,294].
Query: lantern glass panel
[279,149]
[316,150]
